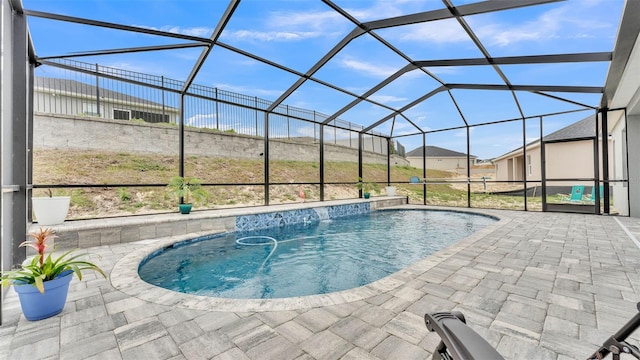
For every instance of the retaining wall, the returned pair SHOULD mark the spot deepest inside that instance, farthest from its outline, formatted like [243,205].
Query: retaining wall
[88,133]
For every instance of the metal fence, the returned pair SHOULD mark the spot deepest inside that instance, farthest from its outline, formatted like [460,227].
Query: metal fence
[70,87]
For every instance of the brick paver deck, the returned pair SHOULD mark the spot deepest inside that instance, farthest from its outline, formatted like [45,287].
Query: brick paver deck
[535,285]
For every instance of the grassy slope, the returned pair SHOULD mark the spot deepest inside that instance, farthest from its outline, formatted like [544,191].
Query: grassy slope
[87,167]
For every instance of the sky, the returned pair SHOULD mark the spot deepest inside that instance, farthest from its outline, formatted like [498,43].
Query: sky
[298,33]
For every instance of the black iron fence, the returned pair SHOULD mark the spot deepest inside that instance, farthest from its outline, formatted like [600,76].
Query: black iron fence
[70,87]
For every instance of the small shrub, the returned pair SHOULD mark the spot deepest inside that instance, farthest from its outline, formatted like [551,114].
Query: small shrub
[124,194]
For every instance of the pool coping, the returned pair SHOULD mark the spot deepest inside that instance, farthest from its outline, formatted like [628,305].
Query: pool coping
[125,277]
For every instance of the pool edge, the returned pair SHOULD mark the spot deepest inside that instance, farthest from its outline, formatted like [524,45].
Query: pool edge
[124,276]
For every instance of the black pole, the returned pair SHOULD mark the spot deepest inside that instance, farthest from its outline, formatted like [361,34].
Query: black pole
[181,141]
[596,166]
[468,168]
[605,161]
[266,158]
[388,161]
[321,161]
[424,168]
[543,171]
[360,163]
[524,160]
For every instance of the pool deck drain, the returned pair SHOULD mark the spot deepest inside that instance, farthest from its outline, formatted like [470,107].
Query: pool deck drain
[535,285]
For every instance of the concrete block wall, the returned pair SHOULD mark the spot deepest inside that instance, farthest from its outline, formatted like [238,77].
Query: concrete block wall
[89,133]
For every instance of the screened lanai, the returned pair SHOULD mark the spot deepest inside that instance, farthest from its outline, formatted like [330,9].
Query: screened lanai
[298,91]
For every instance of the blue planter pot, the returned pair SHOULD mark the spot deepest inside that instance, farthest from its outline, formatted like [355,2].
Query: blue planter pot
[37,306]
[185,208]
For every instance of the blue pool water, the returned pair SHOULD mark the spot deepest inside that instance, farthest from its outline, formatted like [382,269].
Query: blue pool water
[309,259]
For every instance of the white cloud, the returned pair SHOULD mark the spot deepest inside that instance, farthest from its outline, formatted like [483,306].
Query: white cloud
[202,120]
[566,22]
[387,98]
[250,90]
[200,31]
[283,26]
[444,31]
[561,22]
[271,35]
[368,68]
[319,20]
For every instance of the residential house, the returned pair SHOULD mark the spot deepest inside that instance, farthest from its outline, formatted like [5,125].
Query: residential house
[569,154]
[439,158]
[56,95]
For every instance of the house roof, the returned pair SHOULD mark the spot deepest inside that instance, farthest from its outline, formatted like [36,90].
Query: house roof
[584,128]
[80,88]
[581,129]
[435,151]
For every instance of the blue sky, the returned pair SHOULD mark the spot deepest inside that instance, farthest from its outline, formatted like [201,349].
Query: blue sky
[297,33]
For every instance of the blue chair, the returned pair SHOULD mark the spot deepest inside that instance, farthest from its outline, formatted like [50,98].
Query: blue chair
[576,194]
[414,180]
[593,194]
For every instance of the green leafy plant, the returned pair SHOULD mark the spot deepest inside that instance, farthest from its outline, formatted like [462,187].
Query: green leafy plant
[123,194]
[367,186]
[187,189]
[41,269]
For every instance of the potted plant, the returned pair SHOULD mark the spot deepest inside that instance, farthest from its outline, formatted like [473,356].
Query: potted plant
[50,210]
[391,190]
[366,187]
[187,189]
[42,283]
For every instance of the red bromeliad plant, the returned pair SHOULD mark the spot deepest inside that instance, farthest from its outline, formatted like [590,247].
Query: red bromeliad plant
[42,268]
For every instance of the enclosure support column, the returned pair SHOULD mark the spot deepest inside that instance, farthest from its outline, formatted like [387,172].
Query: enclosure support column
[524,160]
[360,163]
[20,123]
[424,168]
[321,161]
[388,161]
[266,158]
[605,162]
[181,139]
[596,162]
[543,171]
[468,167]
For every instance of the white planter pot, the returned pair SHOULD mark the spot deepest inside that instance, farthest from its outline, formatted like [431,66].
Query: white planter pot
[391,190]
[50,210]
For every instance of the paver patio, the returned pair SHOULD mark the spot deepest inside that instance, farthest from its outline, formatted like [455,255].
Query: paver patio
[535,285]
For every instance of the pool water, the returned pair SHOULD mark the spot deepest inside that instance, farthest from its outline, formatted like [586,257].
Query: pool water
[307,259]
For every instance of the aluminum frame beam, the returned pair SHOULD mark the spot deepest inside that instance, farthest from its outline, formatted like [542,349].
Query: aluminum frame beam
[464,10]
[627,35]
[110,25]
[224,20]
[125,50]
[521,60]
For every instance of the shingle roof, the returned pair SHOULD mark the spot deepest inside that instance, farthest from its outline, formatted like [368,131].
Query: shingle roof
[77,87]
[435,151]
[581,129]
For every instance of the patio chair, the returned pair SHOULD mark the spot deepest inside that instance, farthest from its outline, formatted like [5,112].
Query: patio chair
[576,194]
[592,197]
[414,180]
[458,341]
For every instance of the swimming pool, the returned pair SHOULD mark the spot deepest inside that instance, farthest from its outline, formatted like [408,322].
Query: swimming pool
[307,259]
